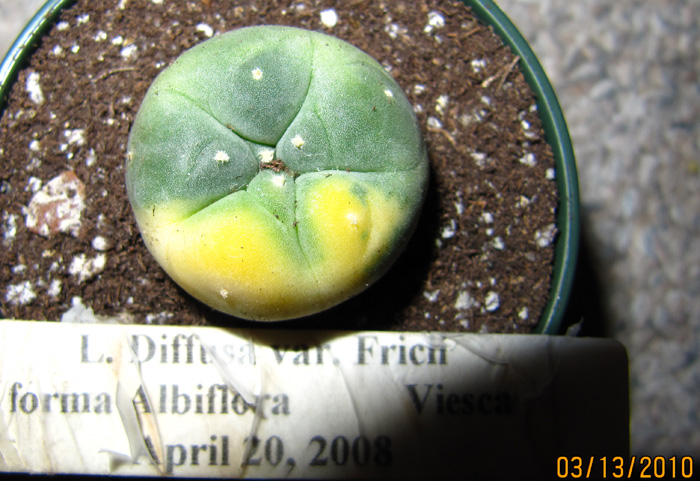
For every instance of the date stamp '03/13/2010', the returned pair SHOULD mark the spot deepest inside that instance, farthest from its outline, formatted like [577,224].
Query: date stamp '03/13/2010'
[618,467]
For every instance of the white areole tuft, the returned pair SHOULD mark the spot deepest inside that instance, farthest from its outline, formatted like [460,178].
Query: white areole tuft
[222,157]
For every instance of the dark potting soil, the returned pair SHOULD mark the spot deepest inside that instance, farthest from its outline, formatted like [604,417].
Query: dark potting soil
[481,257]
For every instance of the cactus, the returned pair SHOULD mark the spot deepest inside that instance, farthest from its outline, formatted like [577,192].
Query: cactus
[275,172]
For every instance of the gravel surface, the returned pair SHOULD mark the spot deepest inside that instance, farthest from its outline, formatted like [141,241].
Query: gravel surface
[627,73]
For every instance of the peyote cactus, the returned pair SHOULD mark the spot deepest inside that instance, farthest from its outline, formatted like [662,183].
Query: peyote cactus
[275,172]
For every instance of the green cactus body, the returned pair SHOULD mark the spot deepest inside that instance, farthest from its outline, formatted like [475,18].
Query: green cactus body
[275,172]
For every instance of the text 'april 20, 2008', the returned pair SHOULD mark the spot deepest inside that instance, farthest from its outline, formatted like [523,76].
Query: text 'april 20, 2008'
[211,402]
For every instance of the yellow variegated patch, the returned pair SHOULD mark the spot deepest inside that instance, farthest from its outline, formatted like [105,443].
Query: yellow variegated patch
[347,228]
[238,257]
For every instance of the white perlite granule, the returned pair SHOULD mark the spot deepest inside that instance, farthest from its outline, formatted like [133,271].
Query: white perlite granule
[449,231]
[205,29]
[128,51]
[54,289]
[33,184]
[434,123]
[431,296]
[478,65]
[33,88]
[9,230]
[487,217]
[82,314]
[85,269]
[74,137]
[479,157]
[329,18]
[492,301]
[544,237]
[464,301]
[160,318]
[441,104]
[435,21]
[528,159]
[99,243]
[20,294]
[523,202]
[19,268]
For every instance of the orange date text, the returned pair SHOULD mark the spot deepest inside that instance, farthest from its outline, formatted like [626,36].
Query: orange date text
[618,467]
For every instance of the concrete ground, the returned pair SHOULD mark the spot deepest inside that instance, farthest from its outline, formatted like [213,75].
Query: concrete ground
[627,75]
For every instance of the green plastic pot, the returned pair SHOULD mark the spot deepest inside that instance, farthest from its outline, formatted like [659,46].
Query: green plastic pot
[557,135]
[556,132]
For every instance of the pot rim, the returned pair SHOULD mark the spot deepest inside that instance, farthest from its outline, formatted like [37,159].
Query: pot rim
[557,135]
[554,124]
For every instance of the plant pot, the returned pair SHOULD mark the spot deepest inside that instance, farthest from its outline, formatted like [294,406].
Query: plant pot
[556,134]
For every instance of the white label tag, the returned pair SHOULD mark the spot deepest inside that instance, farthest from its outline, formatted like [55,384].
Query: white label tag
[213,402]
